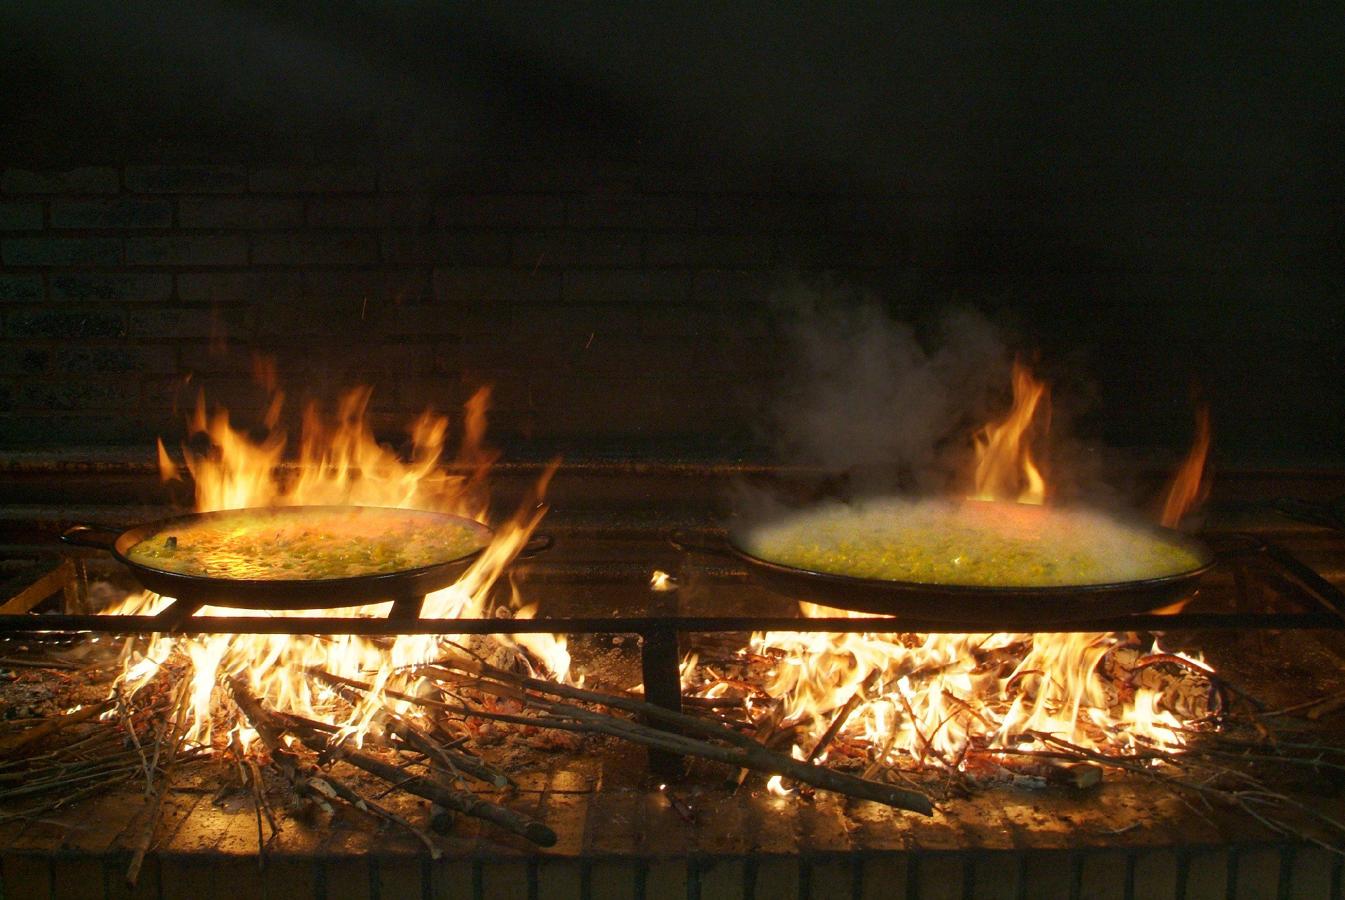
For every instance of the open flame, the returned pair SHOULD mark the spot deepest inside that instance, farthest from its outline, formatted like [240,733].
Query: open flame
[942,699]
[1004,466]
[337,463]
[1188,485]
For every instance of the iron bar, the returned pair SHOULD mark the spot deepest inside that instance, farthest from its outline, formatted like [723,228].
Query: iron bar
[115,624]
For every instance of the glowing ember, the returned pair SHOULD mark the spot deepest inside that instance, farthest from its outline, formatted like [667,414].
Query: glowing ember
[662,582]
[949,700]
[337,465]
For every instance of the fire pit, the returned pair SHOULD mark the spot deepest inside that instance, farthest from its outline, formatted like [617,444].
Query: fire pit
[338,767]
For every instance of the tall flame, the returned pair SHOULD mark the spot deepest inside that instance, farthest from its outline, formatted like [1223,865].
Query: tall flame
[1005,469]
[1188,486]
[933,698]
[339,462]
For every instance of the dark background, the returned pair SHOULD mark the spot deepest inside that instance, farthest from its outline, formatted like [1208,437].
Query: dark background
[592,205]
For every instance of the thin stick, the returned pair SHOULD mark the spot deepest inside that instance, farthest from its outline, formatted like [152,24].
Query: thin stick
[155,805]
[351,796]
[454,761]
[746,753]
[451,798]
[17,742]
[842,716]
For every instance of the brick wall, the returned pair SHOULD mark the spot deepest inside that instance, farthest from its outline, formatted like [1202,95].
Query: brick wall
[627,303]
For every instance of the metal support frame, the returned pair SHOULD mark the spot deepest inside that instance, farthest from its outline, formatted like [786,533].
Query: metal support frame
[660,652]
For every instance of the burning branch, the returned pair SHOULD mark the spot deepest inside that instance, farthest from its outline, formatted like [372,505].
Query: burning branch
[450,798]
[742,752]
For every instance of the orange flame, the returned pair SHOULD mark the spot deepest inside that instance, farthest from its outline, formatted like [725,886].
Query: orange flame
[932,698]
[1004,466]
[1189,485]
[339,463]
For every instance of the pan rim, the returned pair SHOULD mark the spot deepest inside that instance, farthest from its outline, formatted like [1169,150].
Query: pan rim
[147,530]
[1054,591]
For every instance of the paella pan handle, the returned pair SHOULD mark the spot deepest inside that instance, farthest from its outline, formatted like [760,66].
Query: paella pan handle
[679,541]
[536,545]
[98,537]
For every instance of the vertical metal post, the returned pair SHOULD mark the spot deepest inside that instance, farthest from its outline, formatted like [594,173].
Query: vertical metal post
[406,608]
[660,666]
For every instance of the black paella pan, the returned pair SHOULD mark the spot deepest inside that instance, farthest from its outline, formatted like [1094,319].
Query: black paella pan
[293,593]
[1009,605]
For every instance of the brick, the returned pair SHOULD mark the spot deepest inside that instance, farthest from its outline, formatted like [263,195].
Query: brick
[20,216]
[332,316]
[505,878]
[1047,875]
[568,174]
[500,211]
[1206,876]
[1156,874]
[626,286]
[20,288]
[53,251]
[313,179]
[120,212]
[87,180]
[778,876]
[349,879]
[432,320]
[994,875]
[26,876]
[833,251]
[409,212]
[261,287]
[240,212]
[657,320]
[117,359]
[400,876]
[469,248]
[23,358]
[830,876]
[306,248]
[146,886]
[65,323]
[940,876]
[717,176]
[77,395]
[760,212]
[186,179]
[187,250]
[723,286]
[666,879]
[1311,873]
[86,428]
[179,323]
[616,353]
[573,319]
[1103,875]
[76,875]
[1257,875]
[111,286]
[395,285]
[570,248]
[437,178]
[560,878]
[708,249]
[496,285]
[630,211]
[452,878]
[721,879]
